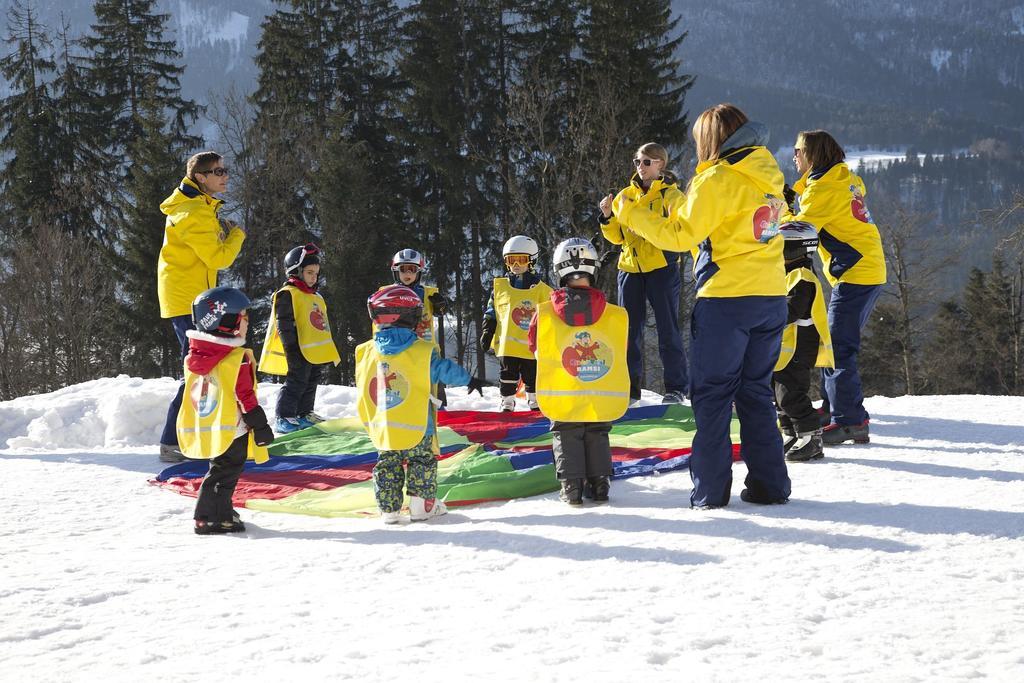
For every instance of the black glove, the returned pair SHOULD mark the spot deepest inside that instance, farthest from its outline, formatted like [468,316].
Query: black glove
[790,196]
[487,334]
[477,384]
[256,420]
[438,303]
[610,256]
[263,435]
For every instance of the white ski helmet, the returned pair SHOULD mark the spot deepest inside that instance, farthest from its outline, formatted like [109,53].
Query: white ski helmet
[575,255]
[521,244]
[409,257]
[800,238]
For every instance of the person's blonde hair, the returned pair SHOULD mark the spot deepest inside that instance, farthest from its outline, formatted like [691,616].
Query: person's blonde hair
[713,127]
[656,151]
[820,149]
[201,163]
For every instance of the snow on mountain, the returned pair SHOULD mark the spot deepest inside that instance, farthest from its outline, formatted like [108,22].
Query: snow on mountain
[895,561]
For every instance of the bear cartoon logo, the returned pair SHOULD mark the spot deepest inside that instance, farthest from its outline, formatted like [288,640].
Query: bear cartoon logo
[523,314]
[587,359]
[766,219]
[205,395]
[388,388]
[857,206]
[317,318]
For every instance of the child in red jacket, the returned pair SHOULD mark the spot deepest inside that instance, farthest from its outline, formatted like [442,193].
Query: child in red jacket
[221,418]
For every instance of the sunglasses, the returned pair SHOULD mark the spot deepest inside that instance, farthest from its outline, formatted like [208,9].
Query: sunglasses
[643,162]
[219,171]
[517,260]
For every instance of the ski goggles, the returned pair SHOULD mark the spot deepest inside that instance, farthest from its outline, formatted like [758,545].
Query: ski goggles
[408,268]
[517,260]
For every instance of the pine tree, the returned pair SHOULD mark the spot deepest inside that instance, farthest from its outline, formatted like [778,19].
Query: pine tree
[132,63]
[28,124]
[80,161]
[154,160]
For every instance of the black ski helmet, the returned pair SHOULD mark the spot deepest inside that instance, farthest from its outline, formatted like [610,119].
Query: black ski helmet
[801,240]
[300,257]
[217,311]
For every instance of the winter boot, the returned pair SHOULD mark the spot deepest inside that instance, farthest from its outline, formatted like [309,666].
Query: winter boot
[760,498]
[531,400]
[508,404]
[425,508]
[835,434]
[312,418]
[788,438]
[287,425]
[597,489]
[205,527]
[391,517]
[824,416]
[169,453]
[572,491]
[805,446]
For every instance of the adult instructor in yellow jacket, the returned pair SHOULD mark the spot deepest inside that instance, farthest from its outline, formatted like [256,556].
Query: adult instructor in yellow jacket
[850,246]
[197,243]
[729,218]
[649,274]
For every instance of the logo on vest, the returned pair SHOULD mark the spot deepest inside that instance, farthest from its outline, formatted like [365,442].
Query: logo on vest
[317,318]
[205,395]
[587,359]
[523,314]
[388,387]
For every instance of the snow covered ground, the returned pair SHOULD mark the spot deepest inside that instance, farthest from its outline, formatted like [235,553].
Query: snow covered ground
[902,560]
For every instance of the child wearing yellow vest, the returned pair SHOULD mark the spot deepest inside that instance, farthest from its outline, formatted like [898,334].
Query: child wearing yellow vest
[299,341]
[806,344]
[396,373]
[582,377]
[220,418]
[507,319]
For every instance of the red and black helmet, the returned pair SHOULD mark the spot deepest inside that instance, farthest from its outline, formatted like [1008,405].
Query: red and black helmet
[395,306]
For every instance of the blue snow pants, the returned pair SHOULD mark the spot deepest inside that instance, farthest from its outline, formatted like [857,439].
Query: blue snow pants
[182,324]
[736,342]
[660,288]
[848,312]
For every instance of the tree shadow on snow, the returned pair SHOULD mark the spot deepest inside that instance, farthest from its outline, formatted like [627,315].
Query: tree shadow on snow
[527,545]
[953,431]
[932,470]
[919,519]
[147,463]
[703,524]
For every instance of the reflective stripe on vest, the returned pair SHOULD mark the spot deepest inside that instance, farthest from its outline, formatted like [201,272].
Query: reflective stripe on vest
[209,416]
[514,309]
[312,326]
[819,319]
[581,371]
[394,394]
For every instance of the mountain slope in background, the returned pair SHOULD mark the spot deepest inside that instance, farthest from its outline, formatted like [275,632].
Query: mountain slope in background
[938,74]
[935,74]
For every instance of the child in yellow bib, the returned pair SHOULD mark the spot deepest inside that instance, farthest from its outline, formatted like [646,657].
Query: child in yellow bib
[299,341]
[806,345]
[220,418]
[582,376]
[507,319]
[395,375]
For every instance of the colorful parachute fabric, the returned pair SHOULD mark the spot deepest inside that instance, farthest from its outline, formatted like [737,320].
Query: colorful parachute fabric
[326,470]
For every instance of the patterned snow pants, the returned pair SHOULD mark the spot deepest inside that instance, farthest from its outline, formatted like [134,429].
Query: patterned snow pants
[389,477]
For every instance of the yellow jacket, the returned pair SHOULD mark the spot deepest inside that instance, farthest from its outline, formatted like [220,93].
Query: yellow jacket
[638,255]
[849,243]
[194,248]
[729,219]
